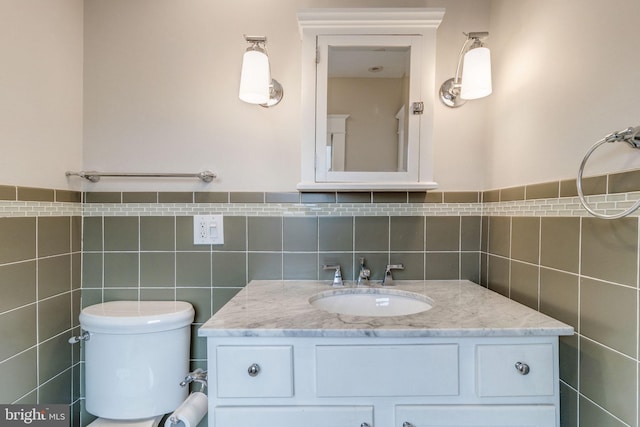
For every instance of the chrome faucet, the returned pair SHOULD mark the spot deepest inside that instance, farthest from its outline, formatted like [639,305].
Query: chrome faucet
[387,280]
[337,277]
[365,273]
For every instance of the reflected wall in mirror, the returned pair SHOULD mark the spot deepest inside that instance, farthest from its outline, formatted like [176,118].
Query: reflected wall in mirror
[367,96]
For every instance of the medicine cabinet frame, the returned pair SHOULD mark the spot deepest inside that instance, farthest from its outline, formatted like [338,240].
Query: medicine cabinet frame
[416,24]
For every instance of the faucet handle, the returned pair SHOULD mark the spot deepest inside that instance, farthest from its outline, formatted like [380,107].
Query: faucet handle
[388,278]
[337,277]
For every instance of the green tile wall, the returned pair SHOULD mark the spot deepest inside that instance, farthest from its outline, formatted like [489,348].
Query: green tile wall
[584,272]
[40,286]
[580,270]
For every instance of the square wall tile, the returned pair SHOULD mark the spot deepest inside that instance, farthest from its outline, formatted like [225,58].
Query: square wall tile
[300,234]
[407,233]
[54,276]
[54,316]
[605,379]
[20,373]
[592,415]
[193,269]
[610,250]
[265,233]
[335,233]
[54,235]
[568,355]
[371,233]
[53,359]
[470,266]
[17,285]
[120,269]
[525,239]
[442,266]
[57,389]
[121,233]
[498,275]
[264,266]
[524,284]
[560,243]
[157,269]
[92,233]
[13,343]
[443,233]
[499,235]
[92,270]
[568,406]
[18,237]
[229,269]
[412,262]
[471,233]
[608,314]
[157,233]
[559,295]
[300,266]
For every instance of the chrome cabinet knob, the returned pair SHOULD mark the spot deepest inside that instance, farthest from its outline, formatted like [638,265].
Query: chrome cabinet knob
[365,425]
[407,424]
[522,368]
[253,370]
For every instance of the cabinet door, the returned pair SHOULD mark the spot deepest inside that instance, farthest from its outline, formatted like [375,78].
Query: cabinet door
[292,416]
[476,416]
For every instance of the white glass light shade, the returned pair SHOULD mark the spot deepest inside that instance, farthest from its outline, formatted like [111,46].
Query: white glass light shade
[476,74]
[255,77]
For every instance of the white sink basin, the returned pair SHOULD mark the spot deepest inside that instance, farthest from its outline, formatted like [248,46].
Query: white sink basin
[371,302]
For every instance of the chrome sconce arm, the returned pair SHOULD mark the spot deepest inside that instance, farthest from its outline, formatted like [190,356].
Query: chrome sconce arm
[474,81]
[256,84]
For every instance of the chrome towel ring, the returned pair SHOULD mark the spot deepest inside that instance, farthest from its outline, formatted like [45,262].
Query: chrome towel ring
[629,135]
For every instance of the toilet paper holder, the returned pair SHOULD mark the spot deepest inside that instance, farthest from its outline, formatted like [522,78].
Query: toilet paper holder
[198,376]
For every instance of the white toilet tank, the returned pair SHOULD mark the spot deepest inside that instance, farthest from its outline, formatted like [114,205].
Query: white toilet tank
[136,355]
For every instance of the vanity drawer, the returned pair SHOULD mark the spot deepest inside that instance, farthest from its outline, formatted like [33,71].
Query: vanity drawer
[498,375]
[254,371]
[387,370]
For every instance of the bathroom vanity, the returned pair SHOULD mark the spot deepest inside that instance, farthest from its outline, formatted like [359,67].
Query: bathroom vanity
[474,358]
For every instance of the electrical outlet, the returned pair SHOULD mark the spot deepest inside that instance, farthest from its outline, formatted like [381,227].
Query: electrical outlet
[208,230]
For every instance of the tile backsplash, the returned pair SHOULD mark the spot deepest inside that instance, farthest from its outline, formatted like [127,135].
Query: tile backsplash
[534,244]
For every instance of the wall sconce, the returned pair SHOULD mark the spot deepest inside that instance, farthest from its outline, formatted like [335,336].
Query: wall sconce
[475,61]
[256,84]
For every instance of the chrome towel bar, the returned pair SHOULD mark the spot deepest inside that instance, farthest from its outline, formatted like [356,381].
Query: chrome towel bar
[93,176]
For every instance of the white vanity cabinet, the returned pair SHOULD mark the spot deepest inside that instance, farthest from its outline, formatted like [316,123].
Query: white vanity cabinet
[475,358]
[404,382]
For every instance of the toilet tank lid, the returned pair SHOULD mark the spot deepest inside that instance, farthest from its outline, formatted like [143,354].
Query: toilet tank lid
[134,317]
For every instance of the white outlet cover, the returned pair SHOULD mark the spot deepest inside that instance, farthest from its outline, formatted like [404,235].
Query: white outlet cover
[208,230]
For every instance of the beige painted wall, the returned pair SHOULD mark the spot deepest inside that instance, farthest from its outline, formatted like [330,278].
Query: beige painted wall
[565,74]
[161,83]
[40,91]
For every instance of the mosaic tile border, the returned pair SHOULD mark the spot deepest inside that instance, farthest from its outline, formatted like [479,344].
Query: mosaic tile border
[564,206]
[31,209]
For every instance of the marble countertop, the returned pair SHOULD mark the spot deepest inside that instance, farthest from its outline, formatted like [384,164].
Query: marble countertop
[277,308]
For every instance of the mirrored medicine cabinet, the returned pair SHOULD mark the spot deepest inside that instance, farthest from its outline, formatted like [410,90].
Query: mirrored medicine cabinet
[367,98]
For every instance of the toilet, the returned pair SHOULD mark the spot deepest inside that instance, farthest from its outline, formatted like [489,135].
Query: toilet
[136,354]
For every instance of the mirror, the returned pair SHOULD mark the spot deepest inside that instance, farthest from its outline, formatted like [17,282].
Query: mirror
[367,96]
[365,72]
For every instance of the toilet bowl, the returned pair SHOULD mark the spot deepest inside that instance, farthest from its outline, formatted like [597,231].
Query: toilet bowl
[136,355]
